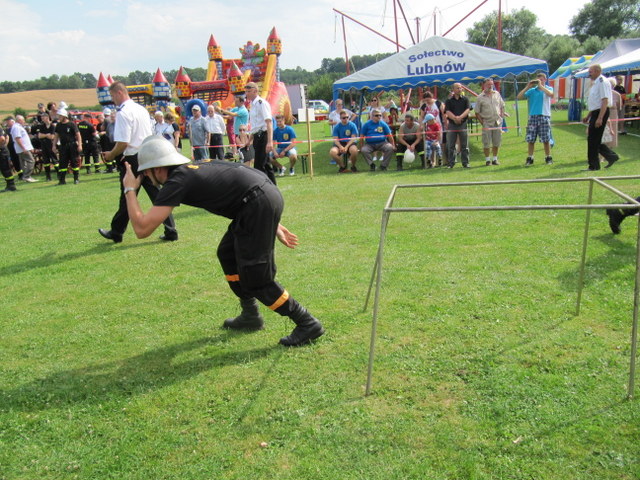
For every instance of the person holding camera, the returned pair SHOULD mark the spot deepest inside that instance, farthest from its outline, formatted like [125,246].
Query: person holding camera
[539,96]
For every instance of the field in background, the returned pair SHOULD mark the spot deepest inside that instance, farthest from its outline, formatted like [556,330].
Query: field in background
[85,97]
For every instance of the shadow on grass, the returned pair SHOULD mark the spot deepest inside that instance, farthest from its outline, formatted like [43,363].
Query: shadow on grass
[620,255]
[136,375]
[54,258]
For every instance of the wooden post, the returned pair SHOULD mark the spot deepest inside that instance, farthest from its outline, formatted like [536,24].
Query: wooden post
[309,145]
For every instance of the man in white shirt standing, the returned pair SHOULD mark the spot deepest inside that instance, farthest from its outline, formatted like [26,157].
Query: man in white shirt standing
[600,97]
[23,146]
[215,129]
[132,126]
[261,130]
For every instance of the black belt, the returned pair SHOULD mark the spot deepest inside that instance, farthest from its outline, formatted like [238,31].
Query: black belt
[252,194]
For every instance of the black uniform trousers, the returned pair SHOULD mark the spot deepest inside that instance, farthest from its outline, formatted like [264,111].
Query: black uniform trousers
[121,218]
[261,159]
[5,165]
[89,150]
[595,147]
[246,251]
[69,156]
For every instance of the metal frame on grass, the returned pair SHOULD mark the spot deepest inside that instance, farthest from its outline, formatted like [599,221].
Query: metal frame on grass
[376,275]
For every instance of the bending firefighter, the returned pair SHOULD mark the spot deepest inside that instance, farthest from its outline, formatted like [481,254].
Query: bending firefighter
[246,251]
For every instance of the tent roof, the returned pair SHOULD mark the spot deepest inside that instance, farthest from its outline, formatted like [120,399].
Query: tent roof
[628,63]
[610,57]
[571,65]
[617,48]
[439,60]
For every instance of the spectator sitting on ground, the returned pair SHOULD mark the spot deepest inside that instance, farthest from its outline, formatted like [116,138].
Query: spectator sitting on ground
[376,137]
[283,136]
[410,138]
[345,136]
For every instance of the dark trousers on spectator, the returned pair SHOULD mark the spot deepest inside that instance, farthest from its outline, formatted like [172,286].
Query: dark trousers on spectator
[261,160]
[216,151]
[121,218]
[595,147]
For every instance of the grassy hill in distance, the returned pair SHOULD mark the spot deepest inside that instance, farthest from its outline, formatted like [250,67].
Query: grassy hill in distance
[80,98]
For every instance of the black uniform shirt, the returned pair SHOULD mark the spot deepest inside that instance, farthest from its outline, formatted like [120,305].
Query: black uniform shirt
[51,129]
[3,149]
[67,132]
[87,132]
[218,187]
[457,105]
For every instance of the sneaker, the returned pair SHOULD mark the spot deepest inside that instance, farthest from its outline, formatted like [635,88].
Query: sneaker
[291,172]
[30,179]
[281,172]
[354,169]
[76,181]
[548,160]
[487,163]
[495,162]
[343,170]
[615,219]
[372,167]
[466,165]
[529,162]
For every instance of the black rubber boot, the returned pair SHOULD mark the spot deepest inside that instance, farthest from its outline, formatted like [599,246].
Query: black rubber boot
[47,172]
[615,219]
[62,178]
[249,319]
[11,186]
[308,328]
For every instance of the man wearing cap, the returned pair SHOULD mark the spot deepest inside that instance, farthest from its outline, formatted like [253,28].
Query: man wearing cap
[246,251]
[261,130]
[89,143]
[68,136]
[599,100]
[23,146]
[132,126]
[198,134]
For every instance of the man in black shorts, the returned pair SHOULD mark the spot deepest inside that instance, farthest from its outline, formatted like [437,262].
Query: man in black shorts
[246,252]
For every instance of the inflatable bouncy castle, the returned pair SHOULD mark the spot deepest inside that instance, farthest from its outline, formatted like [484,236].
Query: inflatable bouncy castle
[225,78]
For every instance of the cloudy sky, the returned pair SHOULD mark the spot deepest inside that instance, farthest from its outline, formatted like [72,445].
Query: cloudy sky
[43,37]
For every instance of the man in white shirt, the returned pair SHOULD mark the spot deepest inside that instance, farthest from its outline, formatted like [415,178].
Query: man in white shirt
[132,126]
[215,129]
[23,146]
[261,130]
[600,97]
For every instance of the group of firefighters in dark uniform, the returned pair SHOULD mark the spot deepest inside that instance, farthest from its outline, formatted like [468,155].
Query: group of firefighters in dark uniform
[59,144]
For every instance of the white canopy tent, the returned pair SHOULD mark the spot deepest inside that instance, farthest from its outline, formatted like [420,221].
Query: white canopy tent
[438,60]
[627,64]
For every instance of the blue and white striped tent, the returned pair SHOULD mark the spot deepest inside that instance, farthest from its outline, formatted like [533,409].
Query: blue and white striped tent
[439,60]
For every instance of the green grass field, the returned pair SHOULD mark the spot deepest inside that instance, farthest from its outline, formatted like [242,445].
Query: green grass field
[113,364]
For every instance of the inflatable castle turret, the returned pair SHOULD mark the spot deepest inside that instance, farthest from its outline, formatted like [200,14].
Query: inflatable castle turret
[102,89]
[161,87]
[183,82]
[215,55]
[236,82]
[274,47]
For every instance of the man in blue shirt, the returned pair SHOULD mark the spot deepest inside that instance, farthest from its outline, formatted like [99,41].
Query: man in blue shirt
[283,136]
[539,96]
[345,136]
[376,137]
[239,115]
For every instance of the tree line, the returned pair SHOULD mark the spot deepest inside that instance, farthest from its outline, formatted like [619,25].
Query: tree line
[597,24]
